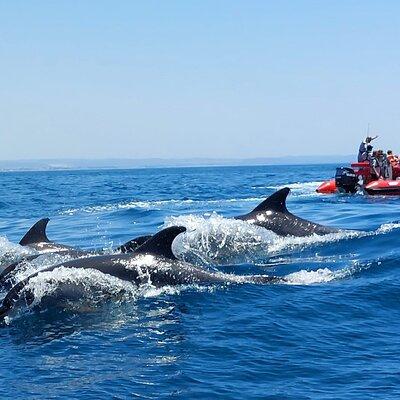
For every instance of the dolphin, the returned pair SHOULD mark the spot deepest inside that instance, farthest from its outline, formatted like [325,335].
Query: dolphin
[36,239]
[153,262]
[273,215]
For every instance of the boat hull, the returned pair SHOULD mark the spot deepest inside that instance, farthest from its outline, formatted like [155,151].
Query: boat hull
[383,188]
[328,187]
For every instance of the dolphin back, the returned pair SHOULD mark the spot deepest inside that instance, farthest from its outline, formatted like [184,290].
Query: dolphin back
[133,244]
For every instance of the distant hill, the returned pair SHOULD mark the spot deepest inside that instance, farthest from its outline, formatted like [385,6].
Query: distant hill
[73,164]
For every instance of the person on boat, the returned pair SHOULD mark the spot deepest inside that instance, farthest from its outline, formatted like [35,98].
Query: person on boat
[379,166]
[376,172]
[393,160]
[386,166]
[363,146]
[366,156]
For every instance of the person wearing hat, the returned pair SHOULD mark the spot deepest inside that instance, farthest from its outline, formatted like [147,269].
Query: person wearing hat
[363,146]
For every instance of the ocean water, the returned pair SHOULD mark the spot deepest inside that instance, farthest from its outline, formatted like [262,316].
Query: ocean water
[332,331]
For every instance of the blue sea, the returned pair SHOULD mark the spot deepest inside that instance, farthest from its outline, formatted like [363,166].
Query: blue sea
[331,331]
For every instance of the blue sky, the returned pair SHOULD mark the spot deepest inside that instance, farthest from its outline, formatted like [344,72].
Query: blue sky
[178,79]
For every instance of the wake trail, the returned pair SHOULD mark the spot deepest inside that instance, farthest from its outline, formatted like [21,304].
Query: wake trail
[217,240]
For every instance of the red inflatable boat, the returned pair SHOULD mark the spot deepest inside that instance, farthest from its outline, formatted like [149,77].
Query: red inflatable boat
[383,187]
[347,180]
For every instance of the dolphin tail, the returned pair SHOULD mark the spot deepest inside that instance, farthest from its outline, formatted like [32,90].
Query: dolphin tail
[161,243]
[133,244]
[275,202]
[37,234]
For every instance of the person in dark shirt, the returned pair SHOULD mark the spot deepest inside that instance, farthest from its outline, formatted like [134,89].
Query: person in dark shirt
[380,166]
[375,165]
[366,156]
[363,146]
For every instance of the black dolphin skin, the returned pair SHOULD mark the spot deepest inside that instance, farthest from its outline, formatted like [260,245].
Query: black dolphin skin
[153,262]
[273,215]
[36,239]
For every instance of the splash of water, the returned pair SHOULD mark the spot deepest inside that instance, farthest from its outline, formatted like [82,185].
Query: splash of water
[47,283]
[27,268]
[88,288]
[215,240]
[298,189]
[10,252]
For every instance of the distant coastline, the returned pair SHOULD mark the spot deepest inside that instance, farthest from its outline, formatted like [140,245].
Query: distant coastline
[81,164]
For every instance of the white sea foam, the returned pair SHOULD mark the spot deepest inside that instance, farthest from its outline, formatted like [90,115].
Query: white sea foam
[27,268]
[213,239]
[385,228]
[217,240]
[156,204]
[298,188]
[323,275]
[47,282]
[304,277]
[9,252]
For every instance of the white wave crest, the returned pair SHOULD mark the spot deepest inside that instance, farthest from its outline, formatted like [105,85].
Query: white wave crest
[324,275]
[156,204]
[385,228]
[292,243]
[298,188]
[304,277]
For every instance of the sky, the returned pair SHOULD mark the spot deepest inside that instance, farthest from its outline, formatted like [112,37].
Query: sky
[180,79]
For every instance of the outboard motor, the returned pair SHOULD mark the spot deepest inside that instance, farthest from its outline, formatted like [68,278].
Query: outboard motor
[346,180]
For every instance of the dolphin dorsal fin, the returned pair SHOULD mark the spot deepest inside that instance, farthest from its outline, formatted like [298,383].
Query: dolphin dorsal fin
[161,243]
[275,202]
[37,234]
[133,244]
